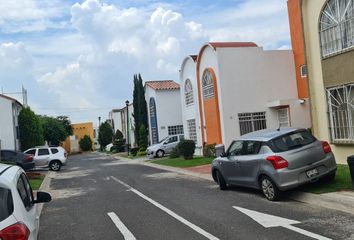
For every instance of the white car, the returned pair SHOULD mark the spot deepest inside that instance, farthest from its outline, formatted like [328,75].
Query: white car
[165,146]
[18,215]
[52,157]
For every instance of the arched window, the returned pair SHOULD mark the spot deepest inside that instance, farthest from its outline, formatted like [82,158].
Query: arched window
[208,84]
[337,27]
[153,121]
[188,92]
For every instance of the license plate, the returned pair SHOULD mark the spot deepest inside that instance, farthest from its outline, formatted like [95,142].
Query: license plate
[312,173]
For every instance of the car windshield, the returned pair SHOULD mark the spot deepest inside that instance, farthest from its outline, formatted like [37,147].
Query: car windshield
[6,203]
[163,139]
[292,141]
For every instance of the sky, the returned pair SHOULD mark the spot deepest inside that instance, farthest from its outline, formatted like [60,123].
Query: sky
[78,58]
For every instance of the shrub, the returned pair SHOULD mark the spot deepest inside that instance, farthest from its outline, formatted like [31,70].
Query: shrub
[209,150]
[85,143]
[186,148]
[134,151]
[141,152]
[175,153]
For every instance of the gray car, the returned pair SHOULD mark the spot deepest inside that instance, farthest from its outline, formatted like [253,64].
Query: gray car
[274,161]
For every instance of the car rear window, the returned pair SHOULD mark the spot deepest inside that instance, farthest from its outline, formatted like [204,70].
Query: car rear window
[54,150]
[6,203]
[292,141]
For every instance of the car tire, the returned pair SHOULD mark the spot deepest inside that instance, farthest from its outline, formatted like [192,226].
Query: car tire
[221,181]
[55,165]
[160,153]
[269,189]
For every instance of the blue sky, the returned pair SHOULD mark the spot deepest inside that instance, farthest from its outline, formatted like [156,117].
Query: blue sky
[78,58]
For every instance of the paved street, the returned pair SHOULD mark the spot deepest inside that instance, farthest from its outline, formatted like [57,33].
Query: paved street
[98,197]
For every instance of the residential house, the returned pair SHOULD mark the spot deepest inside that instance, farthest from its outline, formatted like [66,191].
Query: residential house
[9,130]
[244,88]
[190,102]
[164,109]
[71,144]
[328,38]
[118,120]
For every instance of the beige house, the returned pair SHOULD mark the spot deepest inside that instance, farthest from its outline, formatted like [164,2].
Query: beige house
[328,27]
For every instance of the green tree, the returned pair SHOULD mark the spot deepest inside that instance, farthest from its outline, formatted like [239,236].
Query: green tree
[143,139]
[53,130]
[118,141]
[140,108]
[85,143]
[67,124]
[105,134]
[31,133]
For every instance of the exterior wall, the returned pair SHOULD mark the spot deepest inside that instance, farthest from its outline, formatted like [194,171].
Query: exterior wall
[188,71]
[210,108]
[311,12]
[8,134]
[79,131]
[116,118]
[123,124]
[168,110]
[297,43]
[249,80]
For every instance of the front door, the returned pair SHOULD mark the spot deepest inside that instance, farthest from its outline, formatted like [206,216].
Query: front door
[170,144]
[229,164]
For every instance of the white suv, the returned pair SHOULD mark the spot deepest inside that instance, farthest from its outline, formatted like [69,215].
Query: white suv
[52,157]
[18,215]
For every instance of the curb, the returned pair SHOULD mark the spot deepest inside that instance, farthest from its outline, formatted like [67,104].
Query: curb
[336,201]
[45,186]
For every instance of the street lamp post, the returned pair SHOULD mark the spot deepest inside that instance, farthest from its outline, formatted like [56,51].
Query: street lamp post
[99,121]
[127,104]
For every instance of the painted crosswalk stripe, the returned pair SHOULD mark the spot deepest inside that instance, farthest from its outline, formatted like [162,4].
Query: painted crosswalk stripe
[168,211]
[121,227]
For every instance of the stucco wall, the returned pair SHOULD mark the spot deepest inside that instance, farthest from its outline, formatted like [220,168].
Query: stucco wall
[7,133]
[188,71]
[311,12]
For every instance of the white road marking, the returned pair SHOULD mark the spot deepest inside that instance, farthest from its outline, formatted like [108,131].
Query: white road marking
[268,221]
[168,211]
[121,227]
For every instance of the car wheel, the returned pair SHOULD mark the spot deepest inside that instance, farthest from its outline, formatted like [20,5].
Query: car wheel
[269,189]
[221,181]
[55,165]
[160,153]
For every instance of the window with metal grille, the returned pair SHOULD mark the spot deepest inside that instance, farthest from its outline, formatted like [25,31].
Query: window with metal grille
[192,130]
[188,92]
[303,71]
[337,27]
[250,122]
[341,112]
[174,130]
[283,117]
[208,84]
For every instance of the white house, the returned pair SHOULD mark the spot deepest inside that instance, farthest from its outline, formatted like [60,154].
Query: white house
[9,131]
[243,88]
[118,117]
[164,109]
[190,102]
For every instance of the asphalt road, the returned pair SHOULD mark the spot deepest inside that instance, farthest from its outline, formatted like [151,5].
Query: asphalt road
[97,197]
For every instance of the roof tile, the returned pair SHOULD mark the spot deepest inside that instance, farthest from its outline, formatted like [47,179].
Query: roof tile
[162,85]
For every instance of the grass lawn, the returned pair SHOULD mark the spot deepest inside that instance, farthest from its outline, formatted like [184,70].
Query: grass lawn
[341,182]
[36,182]
[182,163]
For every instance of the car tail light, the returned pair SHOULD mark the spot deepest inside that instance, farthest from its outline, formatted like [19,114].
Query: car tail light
[29,158]
[65,154]
[18,231]
[326,147]
[278,162]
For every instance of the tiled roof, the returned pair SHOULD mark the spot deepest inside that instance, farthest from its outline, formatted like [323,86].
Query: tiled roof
[162,85]
[11,99]
[194,57]
[232,44]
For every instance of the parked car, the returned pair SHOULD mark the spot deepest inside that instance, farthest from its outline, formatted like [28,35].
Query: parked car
[25,161]
[109,147]
[274,161]
[165,146]
[52,157]
[18,215]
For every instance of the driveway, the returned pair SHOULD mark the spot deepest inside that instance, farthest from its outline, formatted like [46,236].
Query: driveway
[97,197]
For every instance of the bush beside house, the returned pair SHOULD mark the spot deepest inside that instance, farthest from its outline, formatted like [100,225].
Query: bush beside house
[86,143]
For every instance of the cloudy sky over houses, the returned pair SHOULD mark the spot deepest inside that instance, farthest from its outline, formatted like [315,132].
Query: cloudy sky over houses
[78,58]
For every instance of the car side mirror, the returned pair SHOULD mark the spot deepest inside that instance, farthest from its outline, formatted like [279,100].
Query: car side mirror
[42,197]
[224,154]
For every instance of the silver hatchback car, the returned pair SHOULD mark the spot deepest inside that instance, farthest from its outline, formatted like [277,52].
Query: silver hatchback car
[274,161]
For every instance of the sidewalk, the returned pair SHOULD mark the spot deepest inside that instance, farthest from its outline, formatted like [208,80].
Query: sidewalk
[341,201]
